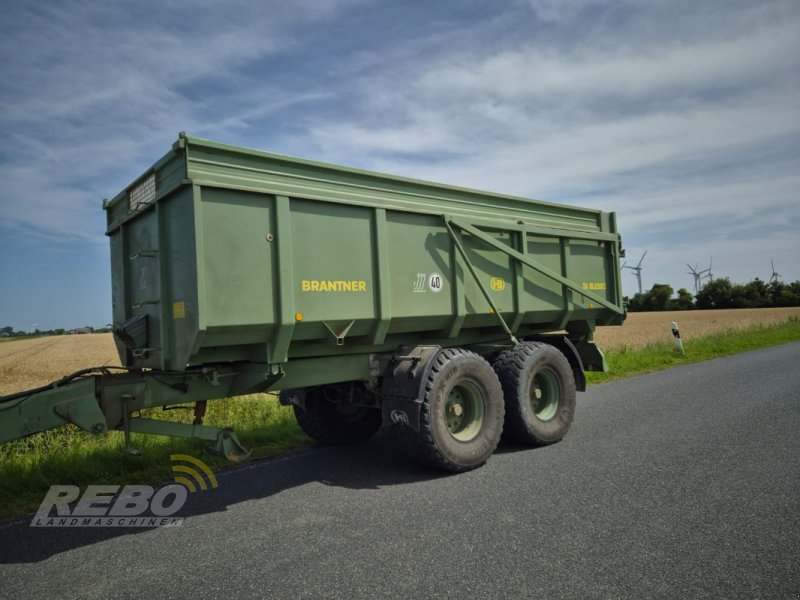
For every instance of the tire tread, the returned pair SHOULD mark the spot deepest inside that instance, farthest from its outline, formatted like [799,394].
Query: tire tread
[510,368]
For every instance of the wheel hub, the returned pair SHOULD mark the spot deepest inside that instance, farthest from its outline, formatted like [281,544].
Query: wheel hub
[545,395]
[464,411]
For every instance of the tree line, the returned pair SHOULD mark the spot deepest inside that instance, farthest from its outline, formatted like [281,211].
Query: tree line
[720,293]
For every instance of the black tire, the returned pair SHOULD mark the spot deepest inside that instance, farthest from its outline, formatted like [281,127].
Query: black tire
[539,392]
[336,423]
[452,438]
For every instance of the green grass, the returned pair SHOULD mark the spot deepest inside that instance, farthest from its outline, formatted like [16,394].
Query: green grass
[70,456]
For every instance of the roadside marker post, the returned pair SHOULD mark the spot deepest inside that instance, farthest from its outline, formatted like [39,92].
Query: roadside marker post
[677,334]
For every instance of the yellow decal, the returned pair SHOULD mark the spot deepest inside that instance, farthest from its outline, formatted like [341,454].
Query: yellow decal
[498,284]
[178,310]
[597,286]
[202,475]
[315,285]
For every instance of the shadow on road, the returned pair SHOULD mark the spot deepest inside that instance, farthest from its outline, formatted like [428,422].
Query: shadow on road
[367,466]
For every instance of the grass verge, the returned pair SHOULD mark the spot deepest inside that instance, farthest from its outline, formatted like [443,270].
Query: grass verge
[70,456]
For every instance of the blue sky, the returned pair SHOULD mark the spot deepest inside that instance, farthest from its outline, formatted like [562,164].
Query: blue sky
[681,116]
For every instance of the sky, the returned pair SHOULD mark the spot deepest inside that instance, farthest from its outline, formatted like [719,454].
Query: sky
[683,117]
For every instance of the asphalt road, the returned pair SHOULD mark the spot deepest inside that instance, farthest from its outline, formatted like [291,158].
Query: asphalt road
[682,484]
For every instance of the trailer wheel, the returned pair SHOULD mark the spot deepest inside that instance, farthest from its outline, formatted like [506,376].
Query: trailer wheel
[336,423]
[461,416]
[539,392]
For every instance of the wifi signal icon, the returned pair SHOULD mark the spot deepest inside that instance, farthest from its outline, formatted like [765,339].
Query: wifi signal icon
[193,473]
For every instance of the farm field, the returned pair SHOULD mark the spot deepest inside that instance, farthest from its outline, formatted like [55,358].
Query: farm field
[28,363]
[643,329]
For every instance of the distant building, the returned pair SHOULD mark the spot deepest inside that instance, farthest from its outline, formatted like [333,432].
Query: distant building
[82,330]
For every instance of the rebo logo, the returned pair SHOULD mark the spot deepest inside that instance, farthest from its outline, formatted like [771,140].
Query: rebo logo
[130,506]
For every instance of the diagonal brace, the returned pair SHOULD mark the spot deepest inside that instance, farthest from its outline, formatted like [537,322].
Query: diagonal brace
[526,260]
[462,252]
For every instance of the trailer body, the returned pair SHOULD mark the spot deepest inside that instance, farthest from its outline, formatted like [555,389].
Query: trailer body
[221,254]
[281,273]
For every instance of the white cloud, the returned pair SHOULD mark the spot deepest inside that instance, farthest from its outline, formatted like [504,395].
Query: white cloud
[665,73]
[563,11]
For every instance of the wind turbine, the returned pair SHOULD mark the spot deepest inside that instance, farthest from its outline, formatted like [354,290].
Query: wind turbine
[638,270]
[698,275]
[710,275]
[775,276]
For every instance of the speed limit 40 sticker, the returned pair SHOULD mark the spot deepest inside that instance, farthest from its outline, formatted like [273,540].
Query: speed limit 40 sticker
[424,282]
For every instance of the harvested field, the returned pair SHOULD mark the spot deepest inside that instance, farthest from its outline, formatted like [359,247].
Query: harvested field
[642,329]
[28,363]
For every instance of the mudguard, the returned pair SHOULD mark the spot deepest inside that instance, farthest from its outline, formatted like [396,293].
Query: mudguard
[403,384]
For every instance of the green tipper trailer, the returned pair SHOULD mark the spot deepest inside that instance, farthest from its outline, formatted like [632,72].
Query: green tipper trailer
[446,314]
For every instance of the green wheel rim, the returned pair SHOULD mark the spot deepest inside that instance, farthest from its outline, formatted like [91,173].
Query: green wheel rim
[545,394]
[464,411]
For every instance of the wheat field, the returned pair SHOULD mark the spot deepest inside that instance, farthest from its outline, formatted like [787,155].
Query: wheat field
[28,363]
[643,329]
